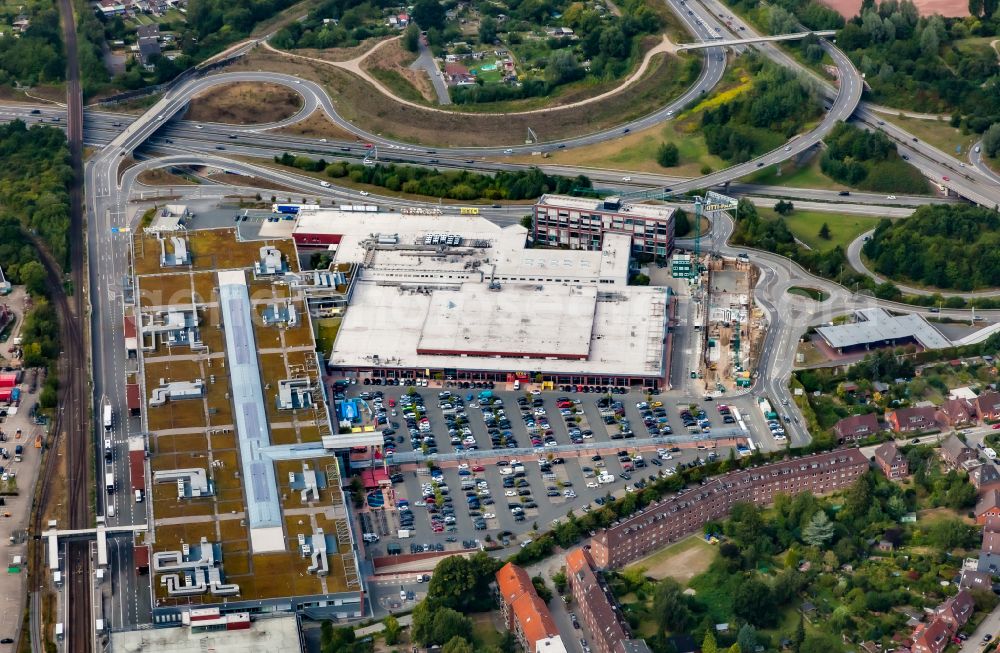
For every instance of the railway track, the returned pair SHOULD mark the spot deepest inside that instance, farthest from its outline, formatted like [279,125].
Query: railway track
[74,404]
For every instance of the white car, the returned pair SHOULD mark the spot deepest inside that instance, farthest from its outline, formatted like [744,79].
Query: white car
[626,179]
[322,140]
[488,515]
[508,151]
[364,193]
[628,488]
[670,113]
[592,485]
[890,197]
[587,436]
[536,392]
[788,148]
[510,493]
[463,466]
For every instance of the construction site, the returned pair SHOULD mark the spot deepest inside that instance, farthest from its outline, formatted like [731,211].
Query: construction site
[727,327]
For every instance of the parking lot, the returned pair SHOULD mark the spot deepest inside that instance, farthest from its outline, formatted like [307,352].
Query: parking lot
[505,461]
[18,473]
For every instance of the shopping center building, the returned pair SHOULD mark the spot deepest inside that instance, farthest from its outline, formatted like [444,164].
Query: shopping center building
[461,298]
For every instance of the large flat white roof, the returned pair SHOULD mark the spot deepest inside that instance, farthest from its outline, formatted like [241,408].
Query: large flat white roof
[272,634]
[476,321]
[877,325]
[487,249]
[386,325]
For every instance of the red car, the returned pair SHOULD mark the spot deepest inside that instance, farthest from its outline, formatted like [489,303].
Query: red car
[996,427]
[392,403]
[946,178]
[479,468]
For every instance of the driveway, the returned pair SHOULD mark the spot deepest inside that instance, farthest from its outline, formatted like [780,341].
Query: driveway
[990,625]
[426,62]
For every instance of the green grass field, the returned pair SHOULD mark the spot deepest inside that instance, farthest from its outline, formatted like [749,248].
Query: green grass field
[811,293]
[488,76]
[795,175]
[680,561]
[938,133]
[805,225]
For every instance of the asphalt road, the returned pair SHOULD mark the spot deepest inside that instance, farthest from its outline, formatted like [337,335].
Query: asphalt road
[425,61]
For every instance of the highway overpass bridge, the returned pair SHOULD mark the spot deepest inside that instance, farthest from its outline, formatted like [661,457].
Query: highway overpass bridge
[721,42]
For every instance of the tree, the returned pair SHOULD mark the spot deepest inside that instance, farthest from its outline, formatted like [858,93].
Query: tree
[338,640]
[783,207]
[563,67]
[528,222]
[682,224]
[33,276]
[429,14]
[824,231]
[411,37]
[975,8]
[392,630]
[800,635]
[753,602]
[463,583]
[948,534]
[488,30]
[449,624]
[991,140]
[930,43]
[541,588]
[670,606]
[818,531]
[820,643]
[747,638]
[708,645]
[457,645]
[667,155]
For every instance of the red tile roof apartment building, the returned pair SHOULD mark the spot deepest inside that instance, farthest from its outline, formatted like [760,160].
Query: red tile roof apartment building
[917,418]
[948,619]
[893,464]
[673,518]
[988,406]
[856,427]
[957,413]
[594,603]
[526,614]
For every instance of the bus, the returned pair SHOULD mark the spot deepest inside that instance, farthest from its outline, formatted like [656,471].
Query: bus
[468,210]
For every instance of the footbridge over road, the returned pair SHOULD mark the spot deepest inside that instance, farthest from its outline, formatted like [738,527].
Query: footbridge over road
[721,42]
[52,535]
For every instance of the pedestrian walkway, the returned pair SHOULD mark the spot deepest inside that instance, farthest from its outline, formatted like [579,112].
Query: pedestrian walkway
[405,620]
[354,66]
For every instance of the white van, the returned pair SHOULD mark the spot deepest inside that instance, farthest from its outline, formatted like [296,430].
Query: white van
[138,496]
[111,510]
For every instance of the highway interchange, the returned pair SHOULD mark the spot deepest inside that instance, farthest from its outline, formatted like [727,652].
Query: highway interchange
[164,141]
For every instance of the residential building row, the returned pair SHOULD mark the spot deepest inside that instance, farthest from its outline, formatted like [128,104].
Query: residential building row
[673,518]
[525,613]
[596,606]
[953,413]
[949,617]
[952,615]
